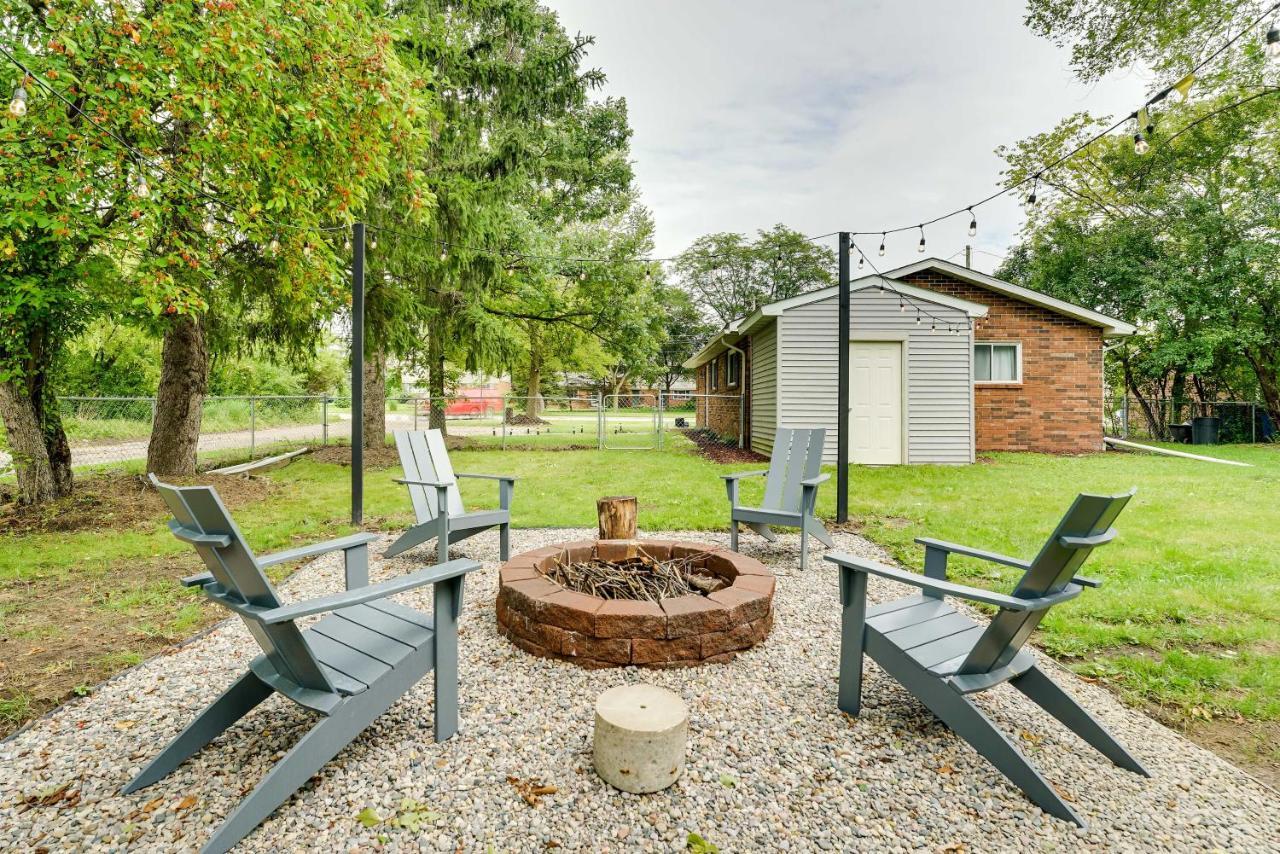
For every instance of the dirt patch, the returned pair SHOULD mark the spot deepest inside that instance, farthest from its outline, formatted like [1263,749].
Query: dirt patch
[1252,745]
[374,458]
[118,502]
[717,450]
[522,420]
[63,635]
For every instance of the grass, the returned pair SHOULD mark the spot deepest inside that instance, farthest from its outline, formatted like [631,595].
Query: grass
[1186,625]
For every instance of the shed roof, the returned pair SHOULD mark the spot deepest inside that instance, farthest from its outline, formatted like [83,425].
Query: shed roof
[1111,327]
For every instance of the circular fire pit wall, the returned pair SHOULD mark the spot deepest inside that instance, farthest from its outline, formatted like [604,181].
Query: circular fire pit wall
[547,619]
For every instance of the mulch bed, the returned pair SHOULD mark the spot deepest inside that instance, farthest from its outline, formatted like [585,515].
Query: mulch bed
[714,448]
[118,502]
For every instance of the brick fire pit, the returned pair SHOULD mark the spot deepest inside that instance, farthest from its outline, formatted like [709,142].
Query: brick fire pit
[542,617]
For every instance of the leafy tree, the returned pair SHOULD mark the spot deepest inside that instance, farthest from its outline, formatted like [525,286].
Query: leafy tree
[190,133]
[1182,240]
[684,327]
[729,276]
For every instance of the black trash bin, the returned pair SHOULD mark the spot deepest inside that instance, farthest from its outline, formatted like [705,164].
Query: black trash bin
[1204,430]
[1180,433]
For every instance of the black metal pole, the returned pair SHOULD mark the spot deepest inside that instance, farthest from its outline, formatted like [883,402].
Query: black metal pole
[842,396]
[357,373]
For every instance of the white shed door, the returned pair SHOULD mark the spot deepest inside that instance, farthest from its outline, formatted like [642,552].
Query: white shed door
[875,396]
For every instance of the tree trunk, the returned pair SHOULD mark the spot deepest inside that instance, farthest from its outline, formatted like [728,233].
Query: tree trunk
[435,384]
[1268,374]
[533,406]
[184,379]
[41,454]
[375,399]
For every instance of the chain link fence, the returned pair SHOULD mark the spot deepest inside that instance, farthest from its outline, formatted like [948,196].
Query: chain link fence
[1236,421]
[114,430]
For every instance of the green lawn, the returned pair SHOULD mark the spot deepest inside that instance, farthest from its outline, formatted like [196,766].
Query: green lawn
[1187,622]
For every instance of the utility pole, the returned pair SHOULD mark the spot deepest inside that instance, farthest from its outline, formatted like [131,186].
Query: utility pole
[842,397]
[357,373]
[968,257]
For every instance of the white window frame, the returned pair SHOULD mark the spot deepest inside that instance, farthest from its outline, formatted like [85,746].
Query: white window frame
[713,374]
[1017,362]
[732,369]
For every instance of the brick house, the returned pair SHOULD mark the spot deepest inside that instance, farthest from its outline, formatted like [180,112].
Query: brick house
[944,362]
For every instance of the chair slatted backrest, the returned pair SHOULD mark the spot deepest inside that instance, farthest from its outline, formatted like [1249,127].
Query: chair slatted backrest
[198,513]
[797,456]
[423,456]
[1084,527]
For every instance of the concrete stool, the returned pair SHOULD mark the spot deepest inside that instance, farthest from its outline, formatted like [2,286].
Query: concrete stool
[641,735]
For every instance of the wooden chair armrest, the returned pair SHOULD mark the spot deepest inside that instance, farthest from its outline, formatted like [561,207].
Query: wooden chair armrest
[199,580]
[195,538]
[411,482]
[301,552]
[1087,582]
[950,588]
[509,478]
[1088,542]
[370,593]
[815,481]
[742,474]
[955,548]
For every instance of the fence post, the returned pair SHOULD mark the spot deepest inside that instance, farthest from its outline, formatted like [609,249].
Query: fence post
[413,401]
[324,420]
[1253,423]
[662,422]
[502,416]
[253,425]
[600,420]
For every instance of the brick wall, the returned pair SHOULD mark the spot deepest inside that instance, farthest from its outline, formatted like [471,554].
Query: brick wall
[1057,408]
[720,411]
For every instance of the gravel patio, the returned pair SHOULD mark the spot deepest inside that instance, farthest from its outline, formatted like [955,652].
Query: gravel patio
[772,763]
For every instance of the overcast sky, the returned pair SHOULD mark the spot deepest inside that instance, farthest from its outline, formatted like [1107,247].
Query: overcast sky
[828,115]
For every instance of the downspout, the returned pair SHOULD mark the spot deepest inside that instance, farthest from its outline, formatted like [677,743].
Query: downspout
[742,390]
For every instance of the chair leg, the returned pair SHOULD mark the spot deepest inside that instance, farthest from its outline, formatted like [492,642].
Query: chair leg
[446,608]
[853,599]
[804,548]
[325,740]
[504,542]
[763,530]
[415,536]
[733,535]
[236,702]
[966,720]
[1049,696]
[814,527]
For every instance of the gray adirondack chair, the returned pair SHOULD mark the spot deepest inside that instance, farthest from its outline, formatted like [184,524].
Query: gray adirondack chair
[349,667]
[425,461]
[942,656]
[790,490]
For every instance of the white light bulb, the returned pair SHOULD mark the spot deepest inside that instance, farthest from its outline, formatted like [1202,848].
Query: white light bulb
[511,271]
[18,106]
[274,246]
[861,260]
[141,189]
[373,242]
[1140,145]
[973,224]
[444,254]
[920,248]
[882,246]
[1273,42]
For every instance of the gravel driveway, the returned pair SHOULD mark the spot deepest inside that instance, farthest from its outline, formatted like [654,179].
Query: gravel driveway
[772,763]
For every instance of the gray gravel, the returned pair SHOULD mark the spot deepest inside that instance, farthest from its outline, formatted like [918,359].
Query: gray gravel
[772,763]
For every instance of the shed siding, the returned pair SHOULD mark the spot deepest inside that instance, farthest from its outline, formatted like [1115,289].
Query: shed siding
[937,364]
[764,388]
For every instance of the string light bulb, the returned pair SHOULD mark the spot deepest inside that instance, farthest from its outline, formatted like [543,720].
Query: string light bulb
[920,248]
[306,249]
[902,305]
[862,259]
[882,236]
[511,271]
[582,276]
[1031,199]
[18,106]
[373,241]
[1273,41]
[346,243]
[973,223]
[1140,145]
[274,246]
[917,317]
[444,252]
[141,189]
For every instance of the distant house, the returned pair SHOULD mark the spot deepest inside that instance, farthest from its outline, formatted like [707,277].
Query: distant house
[944,362]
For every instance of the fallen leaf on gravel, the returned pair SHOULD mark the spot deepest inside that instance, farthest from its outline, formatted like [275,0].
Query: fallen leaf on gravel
[186,803]
[946,769]
[531,789]
[125,724]
[697,845]
[48,796]
[727,781]
[152,805]
[368,817]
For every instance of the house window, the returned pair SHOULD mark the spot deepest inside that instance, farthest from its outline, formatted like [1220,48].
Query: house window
[733,368]
[713,375]
[997,363]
